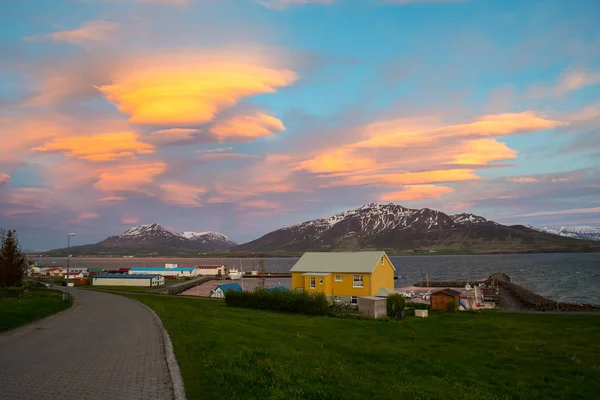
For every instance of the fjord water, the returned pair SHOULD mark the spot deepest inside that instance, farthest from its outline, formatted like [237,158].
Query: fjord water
[571,277]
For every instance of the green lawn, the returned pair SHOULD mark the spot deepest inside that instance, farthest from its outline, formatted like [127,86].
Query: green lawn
[236,353]
[38,303]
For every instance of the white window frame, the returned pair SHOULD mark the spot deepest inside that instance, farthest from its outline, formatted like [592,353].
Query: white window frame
[339,278]
[312,282]
[336,299]
[320,281]
[354,300]
[354,281]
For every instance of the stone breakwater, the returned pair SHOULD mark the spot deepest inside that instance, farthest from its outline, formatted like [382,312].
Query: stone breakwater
[447,284]
[534,301]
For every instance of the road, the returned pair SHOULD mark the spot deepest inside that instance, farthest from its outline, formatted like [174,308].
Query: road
[104,347]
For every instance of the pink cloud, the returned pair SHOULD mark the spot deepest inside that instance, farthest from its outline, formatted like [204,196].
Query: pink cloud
[258,204]
[127,178]
[569,81]
[225,156]
[130,220]
[245,128]
[88,215]
[173,135]
[90,31]
[457,207]
[182,194]
[416,192]
[4,179]
[112,199]
[522,179]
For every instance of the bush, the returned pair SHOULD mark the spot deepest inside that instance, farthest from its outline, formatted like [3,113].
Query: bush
[451,306]
[13,292]
[280,300]
[395,305]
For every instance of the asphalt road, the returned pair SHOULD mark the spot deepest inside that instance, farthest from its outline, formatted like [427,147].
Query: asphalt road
[104,347]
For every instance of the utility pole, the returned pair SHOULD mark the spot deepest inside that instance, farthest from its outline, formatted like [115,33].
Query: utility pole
[68,260]
[427,277]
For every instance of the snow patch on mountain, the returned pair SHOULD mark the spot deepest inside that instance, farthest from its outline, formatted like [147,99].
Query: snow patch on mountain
[208,236]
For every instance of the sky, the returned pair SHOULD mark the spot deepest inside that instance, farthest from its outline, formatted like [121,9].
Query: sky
[245,116]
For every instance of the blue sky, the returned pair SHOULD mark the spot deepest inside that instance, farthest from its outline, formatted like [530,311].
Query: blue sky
[244,116]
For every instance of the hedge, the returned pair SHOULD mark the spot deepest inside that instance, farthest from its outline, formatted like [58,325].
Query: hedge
[280,300]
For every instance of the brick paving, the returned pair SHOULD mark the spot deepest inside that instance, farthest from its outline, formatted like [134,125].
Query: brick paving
[104,347]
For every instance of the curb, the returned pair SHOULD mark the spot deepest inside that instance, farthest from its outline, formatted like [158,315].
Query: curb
[176,379]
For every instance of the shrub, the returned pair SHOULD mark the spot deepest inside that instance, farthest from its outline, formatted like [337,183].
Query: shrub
[13,292]
[279,300]
[451,306]
[395,305]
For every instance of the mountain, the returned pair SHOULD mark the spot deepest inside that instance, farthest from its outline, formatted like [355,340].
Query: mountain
[154,238]
[577,232]
[396,228]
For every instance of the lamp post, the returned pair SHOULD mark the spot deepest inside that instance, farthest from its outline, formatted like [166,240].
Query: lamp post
[68,259]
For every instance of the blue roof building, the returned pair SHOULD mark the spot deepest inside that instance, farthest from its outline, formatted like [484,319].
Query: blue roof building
[220,290]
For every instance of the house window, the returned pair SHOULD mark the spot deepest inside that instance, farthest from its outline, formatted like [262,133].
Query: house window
[336,299]
[339,278]
[312,283]
[320,281]
[354,300]
[357,281]
[382,262]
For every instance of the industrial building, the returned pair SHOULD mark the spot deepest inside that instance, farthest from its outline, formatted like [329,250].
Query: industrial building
[128,280]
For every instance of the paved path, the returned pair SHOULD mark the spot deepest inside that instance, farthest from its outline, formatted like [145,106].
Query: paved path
[104,347]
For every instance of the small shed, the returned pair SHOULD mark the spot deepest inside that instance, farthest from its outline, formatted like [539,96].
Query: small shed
[439,299]
[372,306]
[219,291]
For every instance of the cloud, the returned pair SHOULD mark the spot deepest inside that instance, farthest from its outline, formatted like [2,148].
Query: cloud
[130,220]
[181,194]
[177,3]
[88,215]
[112,199]
[258,204]
[225,156]
[522,179]
[190,89]
[100,147]
[416,192]
[128,178]
[90,31]
[245,128]
[592,210]
[569,81]
[173,135]
[284,4]
[4,179]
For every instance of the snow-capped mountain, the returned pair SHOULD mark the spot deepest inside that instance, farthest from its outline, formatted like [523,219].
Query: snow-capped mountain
[209,237]
[153,238]
[577,232]
[394,227]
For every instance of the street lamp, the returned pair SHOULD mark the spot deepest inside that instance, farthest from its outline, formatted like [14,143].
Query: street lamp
[68,259]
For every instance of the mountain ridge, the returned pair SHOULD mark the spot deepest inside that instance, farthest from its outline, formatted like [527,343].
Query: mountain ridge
[396,228]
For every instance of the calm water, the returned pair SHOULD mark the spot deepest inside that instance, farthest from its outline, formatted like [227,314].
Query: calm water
[565,277]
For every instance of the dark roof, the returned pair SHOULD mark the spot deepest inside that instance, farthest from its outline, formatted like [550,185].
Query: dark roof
[449,291]
[230,286]
[125,276]
[124,269]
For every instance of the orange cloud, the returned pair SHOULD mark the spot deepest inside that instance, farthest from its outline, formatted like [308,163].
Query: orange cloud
[90,31]
[129,220]
[191,89]
[412,178]
[482,151]
[456,207]
[417,192]
[245,128]
[126,178]
[182,195]
[225,156]
[338,160]
[101,147]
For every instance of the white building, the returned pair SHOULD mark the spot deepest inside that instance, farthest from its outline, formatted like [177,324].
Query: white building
[178,272]
[128,280]
[219,291]
[210,270]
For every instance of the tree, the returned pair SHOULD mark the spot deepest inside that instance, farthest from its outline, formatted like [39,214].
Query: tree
[13,263]
[395,305]
[262,281]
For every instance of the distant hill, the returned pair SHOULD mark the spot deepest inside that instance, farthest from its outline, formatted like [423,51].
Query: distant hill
[577,232]
[395,228]
[154,238]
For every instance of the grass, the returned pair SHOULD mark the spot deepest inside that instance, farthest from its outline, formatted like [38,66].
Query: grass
[38,303]
[235,353]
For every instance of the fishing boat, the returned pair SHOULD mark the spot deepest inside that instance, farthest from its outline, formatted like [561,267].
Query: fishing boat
[234,274]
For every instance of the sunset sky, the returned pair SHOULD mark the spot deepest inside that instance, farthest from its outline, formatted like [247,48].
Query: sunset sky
[244,116]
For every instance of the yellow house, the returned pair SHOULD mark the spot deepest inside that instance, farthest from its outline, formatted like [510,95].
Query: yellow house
[344,276]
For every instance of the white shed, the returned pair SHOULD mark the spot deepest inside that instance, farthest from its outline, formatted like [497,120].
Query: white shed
[127,280]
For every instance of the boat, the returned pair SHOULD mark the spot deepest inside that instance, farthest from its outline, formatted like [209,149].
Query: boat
[254,273]
[234,274]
